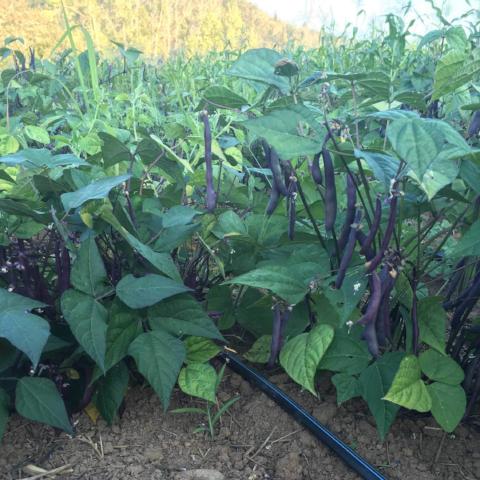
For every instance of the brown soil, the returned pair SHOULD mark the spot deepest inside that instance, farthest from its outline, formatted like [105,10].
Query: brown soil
[256,440]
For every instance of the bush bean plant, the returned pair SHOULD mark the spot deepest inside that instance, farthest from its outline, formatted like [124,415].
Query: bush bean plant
[321,204]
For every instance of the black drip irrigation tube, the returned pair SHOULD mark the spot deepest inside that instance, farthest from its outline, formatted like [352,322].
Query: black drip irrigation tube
[349,456]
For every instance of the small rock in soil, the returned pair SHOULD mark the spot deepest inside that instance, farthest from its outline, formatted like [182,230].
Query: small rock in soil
[154,454]
[200,474]
[245,389]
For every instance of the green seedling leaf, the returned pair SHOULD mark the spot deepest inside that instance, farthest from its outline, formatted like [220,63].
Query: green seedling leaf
[159,357]
[375,382]
[27,332]
[148,290]
[441,368]
[302,354]
[347,387]
[88,272]
[38,399]
[93,191]
[448,404]
[111,391]
[87,319]
[408,389]
[198,380]
[200,349]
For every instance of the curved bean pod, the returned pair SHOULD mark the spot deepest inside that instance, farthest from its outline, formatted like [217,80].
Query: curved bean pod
[330,191]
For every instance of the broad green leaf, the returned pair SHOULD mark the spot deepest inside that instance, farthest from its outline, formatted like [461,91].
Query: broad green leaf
[408,389]
[229,224]
[111,391]
[454,70]
[301,355]
[441,368]
[346,354]
[260,350]
[27,332]
[38,399]
[430,37]
[122,329]
[448,404]
[219,96]
[113,150]
[200,349]
[258,65]
[179,215]
[384,167]
[456,38]
[4,411]
[421,143]
[31,158]
[88,272]
[282,280]
[182,315]
[87,319]
[159,357]
[146,291]
[93,191]
[161,261]
[198,380]
[375,382]
[470,173]
[469,244]
[37,134]
[432,320]
[280,129]
[347,387]
[8,144]
[344,301]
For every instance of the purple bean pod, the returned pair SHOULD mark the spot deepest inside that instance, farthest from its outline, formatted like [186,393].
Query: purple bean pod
[374,301]
[373,264]
[377,216]
[277,173]
[207,135]
[330,191]
[315,170]
[280,319]
[273,200]
[350,217]
[361,238]
[348,251]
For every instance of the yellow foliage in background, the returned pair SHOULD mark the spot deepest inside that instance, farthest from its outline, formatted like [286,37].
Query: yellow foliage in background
[157,27]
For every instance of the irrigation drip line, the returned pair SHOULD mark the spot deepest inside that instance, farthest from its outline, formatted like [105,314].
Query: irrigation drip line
[349,456]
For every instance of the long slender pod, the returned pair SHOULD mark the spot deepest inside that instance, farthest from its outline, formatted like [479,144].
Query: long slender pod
[280,319]
[374,300]
[361,239]
[277,173]
[330,191]
[350,217]
[315,169]
[372,264]
[349,248]
[377,216]
[274,200]
[207,135]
